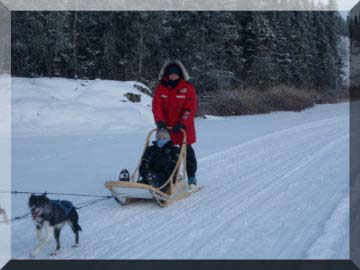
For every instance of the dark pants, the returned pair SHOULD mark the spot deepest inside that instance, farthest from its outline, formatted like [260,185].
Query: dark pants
[191,163]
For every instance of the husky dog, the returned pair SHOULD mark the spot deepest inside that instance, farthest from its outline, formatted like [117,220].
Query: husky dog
[52,215]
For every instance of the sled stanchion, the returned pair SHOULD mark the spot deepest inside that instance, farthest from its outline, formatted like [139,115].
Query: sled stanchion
[182,158]
[147,142]
[125,192]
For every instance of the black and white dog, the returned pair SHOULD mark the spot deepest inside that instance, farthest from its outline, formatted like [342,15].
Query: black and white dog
[52,215]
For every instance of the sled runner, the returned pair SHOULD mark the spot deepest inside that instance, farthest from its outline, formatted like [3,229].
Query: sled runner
[174,189]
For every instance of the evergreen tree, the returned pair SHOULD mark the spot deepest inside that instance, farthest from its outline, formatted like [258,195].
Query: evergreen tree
[222,50]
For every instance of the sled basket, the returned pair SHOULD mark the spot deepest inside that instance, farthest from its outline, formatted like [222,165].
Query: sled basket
[175,188]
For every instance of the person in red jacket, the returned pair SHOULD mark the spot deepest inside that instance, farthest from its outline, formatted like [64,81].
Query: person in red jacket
[174,105]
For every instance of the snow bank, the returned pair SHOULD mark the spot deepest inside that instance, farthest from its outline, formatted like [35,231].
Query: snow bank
[57,106]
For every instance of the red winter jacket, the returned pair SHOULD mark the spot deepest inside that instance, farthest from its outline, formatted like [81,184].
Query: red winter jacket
[174,106]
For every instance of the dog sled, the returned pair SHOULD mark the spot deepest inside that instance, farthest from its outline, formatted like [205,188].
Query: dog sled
[174,189]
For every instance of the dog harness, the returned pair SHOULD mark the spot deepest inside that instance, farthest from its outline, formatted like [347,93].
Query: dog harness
[64,205]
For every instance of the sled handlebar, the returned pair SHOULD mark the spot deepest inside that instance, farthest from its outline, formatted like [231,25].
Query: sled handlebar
[168,128]
[183,132]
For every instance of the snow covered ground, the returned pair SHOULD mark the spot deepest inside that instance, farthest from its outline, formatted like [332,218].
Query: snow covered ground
[5,165]
[276,185]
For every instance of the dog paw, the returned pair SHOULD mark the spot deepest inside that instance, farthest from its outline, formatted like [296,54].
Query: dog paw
[32,255]
[75,245]
[54,253]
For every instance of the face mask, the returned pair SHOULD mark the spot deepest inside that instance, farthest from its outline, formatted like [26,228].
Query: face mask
[162,142]
[173,84]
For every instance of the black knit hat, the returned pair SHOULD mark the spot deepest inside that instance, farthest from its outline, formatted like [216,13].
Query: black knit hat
[173,70]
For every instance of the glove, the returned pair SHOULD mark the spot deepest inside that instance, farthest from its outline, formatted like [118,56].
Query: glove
[151,178]
[124,175]
[177,127]
[161,124]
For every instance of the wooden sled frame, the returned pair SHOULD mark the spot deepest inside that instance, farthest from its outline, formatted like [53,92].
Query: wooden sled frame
[126,192]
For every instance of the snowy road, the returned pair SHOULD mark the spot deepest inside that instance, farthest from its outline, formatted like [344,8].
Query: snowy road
[276,187]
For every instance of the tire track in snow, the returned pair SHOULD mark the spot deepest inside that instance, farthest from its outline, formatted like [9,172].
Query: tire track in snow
[234,151]
[279,184]
[237,156]
[267,195]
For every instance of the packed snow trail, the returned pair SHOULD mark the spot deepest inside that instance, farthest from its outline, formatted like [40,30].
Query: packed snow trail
[275,188]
